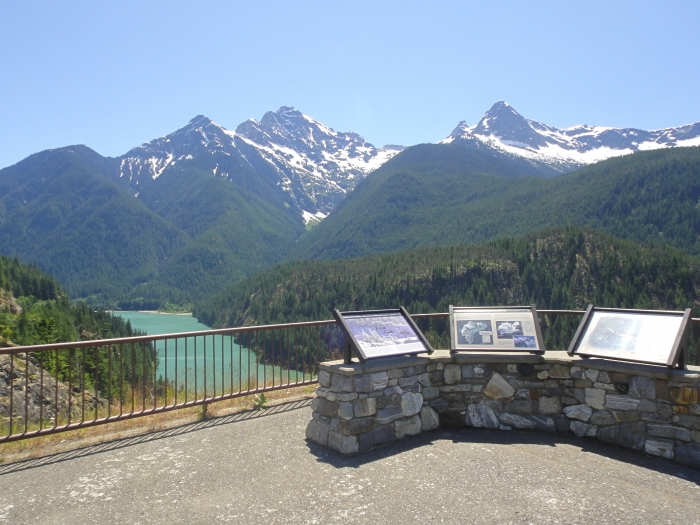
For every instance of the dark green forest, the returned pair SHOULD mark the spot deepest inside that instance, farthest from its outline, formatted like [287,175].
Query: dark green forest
[34,310]
[427,196]
[564,268]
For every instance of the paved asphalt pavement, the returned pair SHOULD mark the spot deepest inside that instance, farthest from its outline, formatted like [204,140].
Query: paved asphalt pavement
[256,467]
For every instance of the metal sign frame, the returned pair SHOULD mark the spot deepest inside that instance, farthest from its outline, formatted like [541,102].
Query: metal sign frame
[355,346]
[490,315]
[677,353]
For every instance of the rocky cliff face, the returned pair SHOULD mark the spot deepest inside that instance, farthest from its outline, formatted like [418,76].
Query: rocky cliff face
[33,395]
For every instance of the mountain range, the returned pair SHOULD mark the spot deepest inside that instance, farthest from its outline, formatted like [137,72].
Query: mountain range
[504,130]
[183,215]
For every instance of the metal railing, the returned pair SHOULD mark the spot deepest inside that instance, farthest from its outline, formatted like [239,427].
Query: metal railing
[53,388]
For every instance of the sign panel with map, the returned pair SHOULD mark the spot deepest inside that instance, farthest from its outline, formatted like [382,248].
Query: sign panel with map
[496,328]
[643,336]
[382,333]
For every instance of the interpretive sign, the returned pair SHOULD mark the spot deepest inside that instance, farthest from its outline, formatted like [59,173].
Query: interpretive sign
[642,336]
[381,333]
[496,328]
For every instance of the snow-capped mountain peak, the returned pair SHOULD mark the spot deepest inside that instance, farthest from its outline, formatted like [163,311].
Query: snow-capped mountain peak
[312,165]
[504,129]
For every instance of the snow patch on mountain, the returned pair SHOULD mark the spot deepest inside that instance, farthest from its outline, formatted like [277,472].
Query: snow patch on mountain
[313,165]
[504,129]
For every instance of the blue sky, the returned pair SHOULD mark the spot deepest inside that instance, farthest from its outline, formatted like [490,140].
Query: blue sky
[115,75]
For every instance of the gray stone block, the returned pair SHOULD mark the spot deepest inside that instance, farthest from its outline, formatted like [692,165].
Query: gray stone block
[669,431]
[388,414]
[653,417]
[580,412]
[688,454]
[522,393]
[519,406]
[364,407]
[576,372]
[559,372]
[452,374]
[528,422]
[595,398]
[480,416]
[592,374]
[317,431]
[430,393]
[379,381]
[343,396]
[341,383]
[385,401]
[498,388]
[642,388]
[437,377]
[582,429]
[604,386]
[365,441]
[646,405]
[325,407]
[407,427]
[424,379]
[579,394]
[440,404]
[429,419]
[383,434]
[411,403]
[562,423]
[390,391]
[687,421]
[603,377]
[625,416]
[451,389]
[467,371]
[322,392]
[621,402]
[408,381]
[602,418]
[345,411]
[359,425]
[395,373]
[659,447]
[324,378]
[343,444]
[550,405]
[630,435]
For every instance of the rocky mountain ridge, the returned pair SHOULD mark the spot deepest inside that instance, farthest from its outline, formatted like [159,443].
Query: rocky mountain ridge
[310,165]
[505,130]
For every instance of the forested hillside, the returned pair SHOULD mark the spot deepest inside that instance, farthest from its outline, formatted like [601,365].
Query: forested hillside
[187,236]
[58,210]
[564,268]
[34,309]
[427,196]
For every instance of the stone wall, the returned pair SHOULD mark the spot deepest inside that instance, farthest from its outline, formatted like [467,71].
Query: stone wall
[646,408]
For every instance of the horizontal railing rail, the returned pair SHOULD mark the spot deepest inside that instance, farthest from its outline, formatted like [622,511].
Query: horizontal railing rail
[50,388]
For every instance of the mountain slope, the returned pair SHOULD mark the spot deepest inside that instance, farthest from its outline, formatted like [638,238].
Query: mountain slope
[564,268]
[303,162]
[504,130]
[57,210]
[648,196]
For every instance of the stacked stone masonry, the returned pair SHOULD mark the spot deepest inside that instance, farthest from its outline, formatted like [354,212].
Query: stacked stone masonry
[649,409]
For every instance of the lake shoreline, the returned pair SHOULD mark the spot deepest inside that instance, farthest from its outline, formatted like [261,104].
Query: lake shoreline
[150,312]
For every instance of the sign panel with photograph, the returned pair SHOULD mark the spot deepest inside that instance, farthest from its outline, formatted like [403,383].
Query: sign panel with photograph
[643,336]
[496,328]
[382,333]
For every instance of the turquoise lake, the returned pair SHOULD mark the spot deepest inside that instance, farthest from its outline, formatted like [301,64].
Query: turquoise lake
[218,360]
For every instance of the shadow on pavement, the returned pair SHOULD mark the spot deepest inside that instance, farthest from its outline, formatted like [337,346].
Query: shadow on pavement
[151,436]
[499,437]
